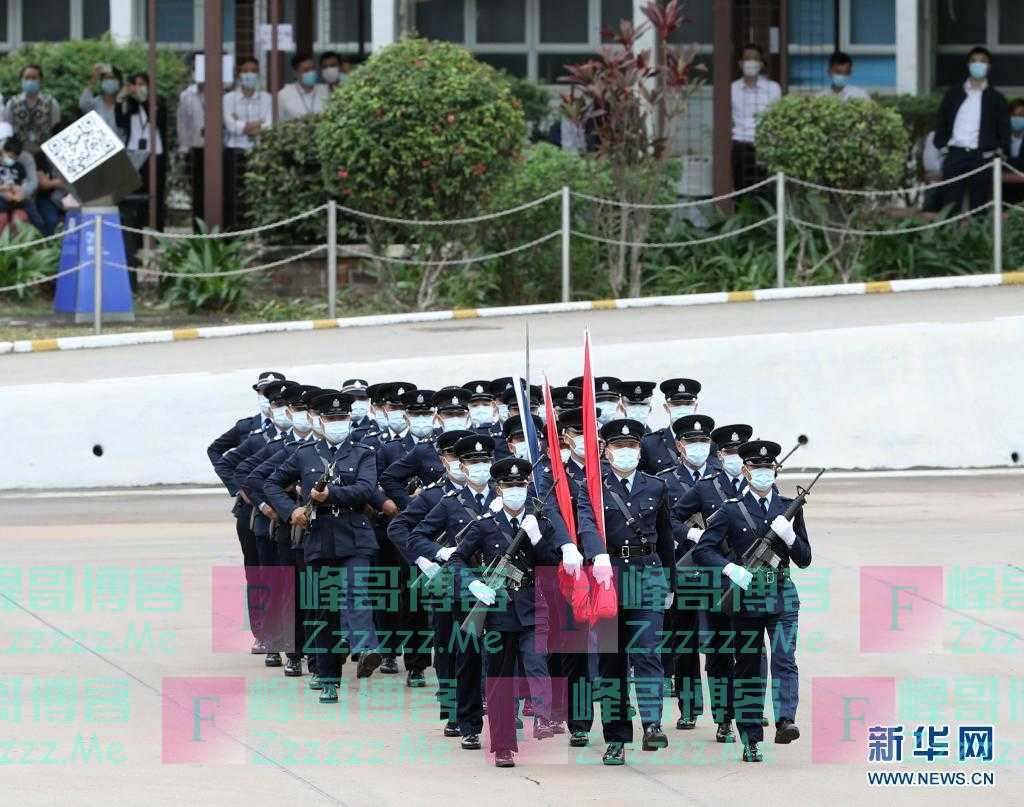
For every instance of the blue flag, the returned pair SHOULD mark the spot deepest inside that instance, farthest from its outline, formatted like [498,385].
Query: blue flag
[526,418]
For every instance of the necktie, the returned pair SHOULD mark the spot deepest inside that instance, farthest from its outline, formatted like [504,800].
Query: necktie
[480,500]
[515,525]
[625,484]
[764,505]
[736,484]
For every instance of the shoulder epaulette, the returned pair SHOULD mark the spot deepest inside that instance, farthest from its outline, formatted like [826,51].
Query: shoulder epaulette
[432,485]
[451,493]
[364,446]
[257,431]
[662,472]
[707,476]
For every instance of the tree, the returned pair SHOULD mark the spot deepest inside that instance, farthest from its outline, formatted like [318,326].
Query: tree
[420,131]
[632,99]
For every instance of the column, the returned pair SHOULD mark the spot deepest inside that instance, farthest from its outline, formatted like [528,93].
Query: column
[908,46]
[124,22]
[382,31]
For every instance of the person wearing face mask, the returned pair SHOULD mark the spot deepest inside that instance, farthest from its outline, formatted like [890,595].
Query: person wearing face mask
[840,69]
[607,395]
[704,499]
[32,113]
[247,114]
[217,452]
[752,94]
[563,399]
[768,604]
[331,70]
[499,387]
[18,183]
[483,414]
[341,541]
[659,451]
[1013,192]
[107,79]
[640,562]
[433,542]
[304,96]
[420,465]
[274,542]
[636,400]
[973,127]
[515,622]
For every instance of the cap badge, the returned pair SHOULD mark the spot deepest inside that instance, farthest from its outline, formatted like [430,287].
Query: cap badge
[401,391]
[604,386]
[625,429]
[735,437]
[419,399]
[514,470]
[696,426]
[336,402]
[764,451]
[638,390]
[479,447]
[455,400]
[570,397]
[681,388]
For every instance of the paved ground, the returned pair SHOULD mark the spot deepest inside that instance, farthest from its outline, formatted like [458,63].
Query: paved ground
[373,754]
[631,325]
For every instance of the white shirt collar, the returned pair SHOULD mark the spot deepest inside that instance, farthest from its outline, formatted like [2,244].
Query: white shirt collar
[767,497]
[971,88]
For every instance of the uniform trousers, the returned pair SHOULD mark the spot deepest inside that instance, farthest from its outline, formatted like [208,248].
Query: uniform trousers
[503,652]
[343,612]
[749,682]
[405,626]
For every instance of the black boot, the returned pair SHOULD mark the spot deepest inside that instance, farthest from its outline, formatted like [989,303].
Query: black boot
[686,724]
[542,728]
[368,662]
[615,754]
[293,668]
[751,753]
[389,666]
[725,733]
[413,679]
[329,693]
[471,742]
[579,739]
[786,731]
[504,759]
[272,660]
[654,738]
[316,682]
[451,729]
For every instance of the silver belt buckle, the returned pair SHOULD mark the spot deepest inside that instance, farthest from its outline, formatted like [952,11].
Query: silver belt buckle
[770,576]
[625,551]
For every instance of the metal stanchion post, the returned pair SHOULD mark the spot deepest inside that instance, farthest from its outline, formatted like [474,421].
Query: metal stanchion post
[332,259]
[780,230]
[97,280]
[997,215]
[566,247]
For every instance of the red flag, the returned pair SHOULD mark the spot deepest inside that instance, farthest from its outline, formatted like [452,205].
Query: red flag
[559,477]
[592,460]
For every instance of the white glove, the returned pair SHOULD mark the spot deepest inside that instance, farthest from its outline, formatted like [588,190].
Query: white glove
[669,599]
[444,553]
[482,592]
[496,505]
[532,529]
[428,567]
[572,560]
[694,534]
[740,576]
[603,570]
[784,529]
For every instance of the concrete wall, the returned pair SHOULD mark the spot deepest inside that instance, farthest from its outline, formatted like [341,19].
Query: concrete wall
[876,397]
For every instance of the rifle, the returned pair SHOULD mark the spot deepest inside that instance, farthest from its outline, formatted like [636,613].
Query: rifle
[760,555]
[454,542]
[309,510]
[499,570]
[696,520]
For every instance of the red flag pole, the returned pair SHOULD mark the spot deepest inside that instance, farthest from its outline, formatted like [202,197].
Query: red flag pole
[559,477]
[592,459]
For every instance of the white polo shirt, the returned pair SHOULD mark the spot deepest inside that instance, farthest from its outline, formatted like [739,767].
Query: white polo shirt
[748,103]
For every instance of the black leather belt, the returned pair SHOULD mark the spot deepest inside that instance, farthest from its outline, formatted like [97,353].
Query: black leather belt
[527,582]
[633,551]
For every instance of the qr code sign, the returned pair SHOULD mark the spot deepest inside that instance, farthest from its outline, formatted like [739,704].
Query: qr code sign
[82,146]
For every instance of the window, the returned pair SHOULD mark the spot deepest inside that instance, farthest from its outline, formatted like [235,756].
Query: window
[1011,23]
[563,20]
[95,18]
[873,22]
[962,22]
[344,16]
[996,24]
[46,21]
[175,21]
[615,11]
[441,19]
[500,21]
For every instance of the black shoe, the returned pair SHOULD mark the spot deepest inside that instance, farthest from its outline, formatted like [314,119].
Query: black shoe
[389,666]
[751,753]
[272,660]
[615,754]
[329,694]
[293,669]
[471,742]
[258,648]
[527,708]
[368,662]
[558,727]
[654,738]
[355,656]
[504,759]
[542,729]
[786,731]
[725,733]
[579,739]
[316,682]
[413,679]
[451,730]
[686,724]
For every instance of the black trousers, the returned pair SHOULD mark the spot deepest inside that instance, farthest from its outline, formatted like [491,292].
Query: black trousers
[683,625]
[404,623]
[719,662]
[235,208]
[198,185]
[250,560]
[979,187]
[745,168]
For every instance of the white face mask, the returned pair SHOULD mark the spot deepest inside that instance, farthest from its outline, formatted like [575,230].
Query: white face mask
[397,420]
[626,458]
[337,430]
[478,473]
[606,410]
[565,454]
[300,421]
[458,476]
[579,445]
[264,405]
[542,414]
[697,453]
[421,425]
[360,409]
[331,74]
[521,450]
[751,68]
[733,464]
[451,424]
[638,412]
[514,499]
[676,411]
[502,412]
[481,414]
[380,417]
[318,425]
[279,414]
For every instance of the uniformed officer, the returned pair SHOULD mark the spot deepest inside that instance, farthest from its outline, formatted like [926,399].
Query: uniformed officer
[513,623]
[638,531]
[658,450]
[420,465]
[636,399]
[498,388]
[682,622]
[564,398]
[483,411]
[362,423]
[340,541]
[703,500]
[768,604]
[607,396]
[433,541]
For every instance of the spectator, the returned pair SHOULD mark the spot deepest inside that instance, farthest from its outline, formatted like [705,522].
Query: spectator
[303,96]
[32,113]
[973,127]
[751,95]
[247,113]
[931,162]
[109,79]
[17,184]
[133,118]
[191,116]
[330,70]
[1013,193]
[840,68]
[49,201]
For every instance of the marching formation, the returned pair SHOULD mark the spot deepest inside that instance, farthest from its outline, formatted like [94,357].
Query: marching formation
[544,550]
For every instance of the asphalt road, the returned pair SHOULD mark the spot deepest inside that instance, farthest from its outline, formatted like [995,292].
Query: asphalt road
[60,652]
[488,335]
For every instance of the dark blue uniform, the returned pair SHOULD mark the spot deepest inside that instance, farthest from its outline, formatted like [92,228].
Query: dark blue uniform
[643,559]
[339,543]
[770,604]
[421,462]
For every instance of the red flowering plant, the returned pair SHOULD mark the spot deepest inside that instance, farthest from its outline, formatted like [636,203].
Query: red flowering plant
[420,132]
[631,98]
